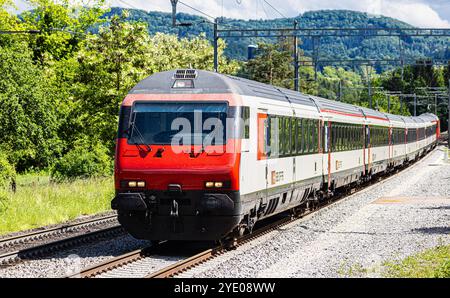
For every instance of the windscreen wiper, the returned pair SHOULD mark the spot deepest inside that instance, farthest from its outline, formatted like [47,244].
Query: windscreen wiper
[139,135]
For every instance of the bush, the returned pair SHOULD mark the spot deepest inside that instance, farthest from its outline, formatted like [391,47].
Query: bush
[83,161]
[7,172]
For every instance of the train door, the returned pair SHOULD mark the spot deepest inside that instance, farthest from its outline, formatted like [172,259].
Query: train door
[391,147]
[367,148]
[263,151]
[327,152]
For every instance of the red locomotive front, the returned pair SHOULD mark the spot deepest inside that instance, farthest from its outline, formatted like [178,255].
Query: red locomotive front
[177,165]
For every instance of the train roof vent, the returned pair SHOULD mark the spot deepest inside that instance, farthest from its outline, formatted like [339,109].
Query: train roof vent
[185,74]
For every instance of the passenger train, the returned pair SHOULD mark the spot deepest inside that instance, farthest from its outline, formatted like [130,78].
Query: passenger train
[204,156]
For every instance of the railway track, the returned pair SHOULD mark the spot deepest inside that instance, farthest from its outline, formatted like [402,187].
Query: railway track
[139,258]
[39,243]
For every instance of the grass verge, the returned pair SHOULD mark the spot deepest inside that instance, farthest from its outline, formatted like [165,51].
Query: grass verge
[38,201]
[432,263]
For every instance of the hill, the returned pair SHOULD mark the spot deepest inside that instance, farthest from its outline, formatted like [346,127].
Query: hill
[330,48]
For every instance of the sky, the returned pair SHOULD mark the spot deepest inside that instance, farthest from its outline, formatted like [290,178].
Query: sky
[420,13]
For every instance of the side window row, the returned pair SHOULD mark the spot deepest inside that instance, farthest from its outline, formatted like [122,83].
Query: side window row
[290,136]
[379,136]
[346,137]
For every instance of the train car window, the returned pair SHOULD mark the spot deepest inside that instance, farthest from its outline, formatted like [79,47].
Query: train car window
[305,136]
[333,137]
[354,138]
[349,137]
[299,145]
[293,134]
[246,118]
[338,137]
[274,136]
[281,135]
[288,136]
[346,138]
[313,129]
[316,136]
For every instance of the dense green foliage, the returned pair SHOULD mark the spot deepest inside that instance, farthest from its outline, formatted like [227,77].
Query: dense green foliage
[331,47]
[7,172]
[83,161]
[28,119]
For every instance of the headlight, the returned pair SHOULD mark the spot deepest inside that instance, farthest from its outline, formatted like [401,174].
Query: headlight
[132,184]
[215,184]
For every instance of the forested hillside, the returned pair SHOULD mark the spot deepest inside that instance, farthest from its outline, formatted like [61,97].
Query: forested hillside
[335,48]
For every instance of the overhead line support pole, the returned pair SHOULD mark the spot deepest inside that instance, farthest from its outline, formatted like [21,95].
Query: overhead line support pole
[174,12]
[296,72]
[415,105]
[215,44]
[389,103]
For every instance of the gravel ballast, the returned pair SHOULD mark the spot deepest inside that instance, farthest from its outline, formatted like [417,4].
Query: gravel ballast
[400,216]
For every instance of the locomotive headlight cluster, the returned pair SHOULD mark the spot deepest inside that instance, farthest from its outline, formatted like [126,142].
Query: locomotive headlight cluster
[133,184]
[212,184]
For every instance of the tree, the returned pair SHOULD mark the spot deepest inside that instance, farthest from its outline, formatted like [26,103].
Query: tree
[334,80]
[28,121]
[272,65]
[63,26]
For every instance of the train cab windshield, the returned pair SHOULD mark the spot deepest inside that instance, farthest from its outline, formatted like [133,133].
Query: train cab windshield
[178,123]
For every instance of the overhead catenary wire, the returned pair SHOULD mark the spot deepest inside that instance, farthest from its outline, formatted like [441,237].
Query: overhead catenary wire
[197,10]
[267,2]
[131,5]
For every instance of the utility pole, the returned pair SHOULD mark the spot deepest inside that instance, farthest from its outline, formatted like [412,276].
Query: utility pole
[389,103]
[448,123]
[415,105]
[216,37]
[216,55]
[340,90]
[435,104]
[369,88]
[174,12]
[296,73]
[401,103]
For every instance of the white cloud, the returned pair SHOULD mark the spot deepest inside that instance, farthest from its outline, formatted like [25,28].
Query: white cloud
[414,12]
[419,13]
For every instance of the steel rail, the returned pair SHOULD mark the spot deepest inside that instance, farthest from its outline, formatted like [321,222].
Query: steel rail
[51,232]
[14,257]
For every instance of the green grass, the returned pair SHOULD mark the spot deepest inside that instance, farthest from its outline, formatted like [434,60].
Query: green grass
[431,263]
[38,201]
